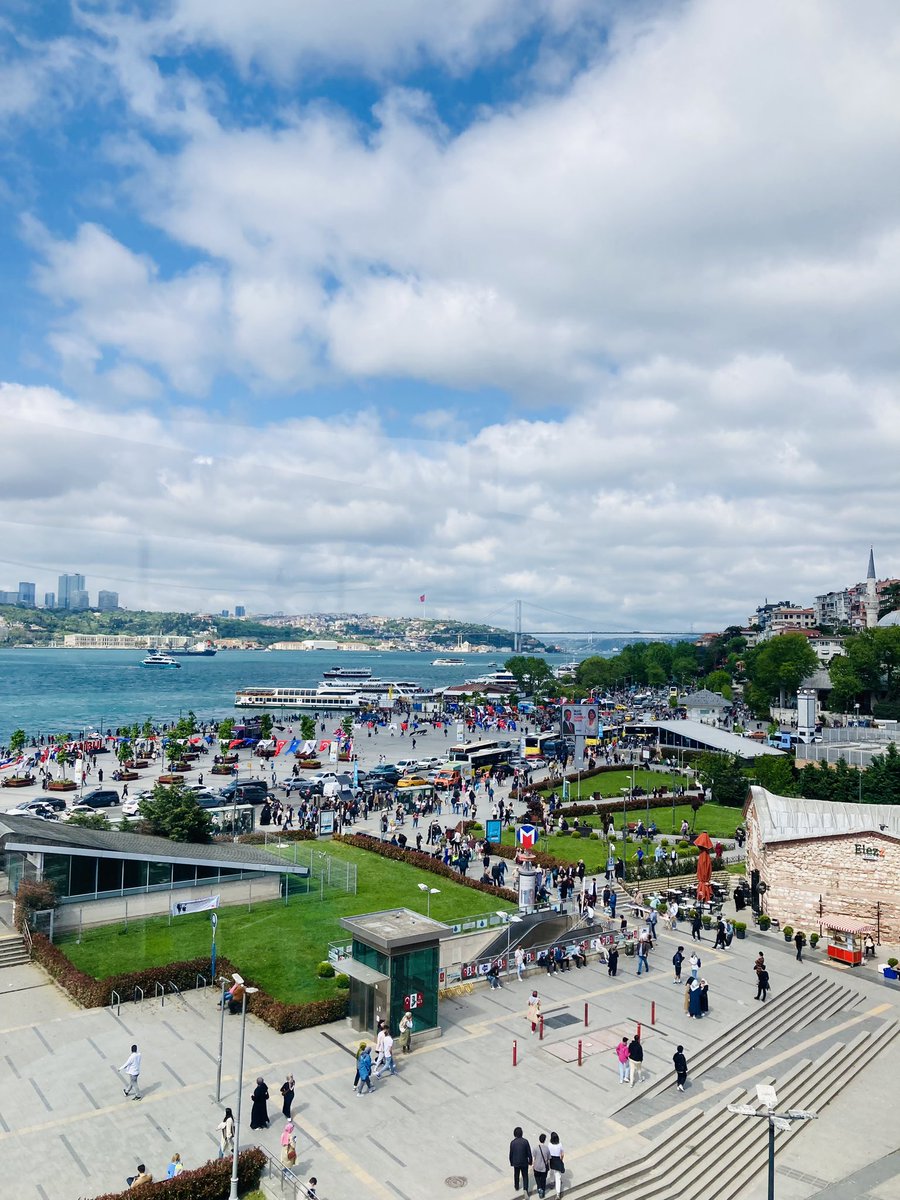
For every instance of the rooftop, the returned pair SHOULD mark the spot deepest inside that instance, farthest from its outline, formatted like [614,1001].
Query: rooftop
[31,833]
[395,928]
[791,819]
[710,737]
[704,698]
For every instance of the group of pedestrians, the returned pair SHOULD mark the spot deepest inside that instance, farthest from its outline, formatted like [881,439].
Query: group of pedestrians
[543,1157]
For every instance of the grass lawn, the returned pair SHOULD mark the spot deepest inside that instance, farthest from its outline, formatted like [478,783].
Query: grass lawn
[611,783]
[279,946]
[716,819]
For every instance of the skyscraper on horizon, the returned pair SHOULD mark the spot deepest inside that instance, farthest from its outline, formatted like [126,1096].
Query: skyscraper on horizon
[49,599]
[26,595]
[107,601]
[68,584]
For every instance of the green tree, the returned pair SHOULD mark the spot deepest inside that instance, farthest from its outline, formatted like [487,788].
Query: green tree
[776,773]
[147,730]
[173,813]
[881,780]
[64,756]
[719,681]
[225,734]
[778,667]
[124,752]
[265,726]
[530,671]
[17,740]
[347,726]
[307,728]
[90,820]
[846,684]
[723,775]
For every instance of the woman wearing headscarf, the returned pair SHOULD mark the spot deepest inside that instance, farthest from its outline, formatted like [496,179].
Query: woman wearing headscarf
[288,1145]
[694,1004]
[259,1113]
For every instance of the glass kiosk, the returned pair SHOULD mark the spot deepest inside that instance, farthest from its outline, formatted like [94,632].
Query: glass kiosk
[394,969]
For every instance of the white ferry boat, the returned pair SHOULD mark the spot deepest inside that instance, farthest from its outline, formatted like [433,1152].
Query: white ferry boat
[448,662]
[372,687]
[160,660]
[297,698]
[347,673]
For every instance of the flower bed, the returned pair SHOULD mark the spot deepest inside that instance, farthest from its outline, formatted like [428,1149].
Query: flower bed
[419,859]
[221,769]
[15,781]
[172,777]
[212,1181]
[287,835]
[308,764]
[128,776]
[62,785]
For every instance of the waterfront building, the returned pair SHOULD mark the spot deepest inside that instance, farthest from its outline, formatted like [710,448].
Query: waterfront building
[123,641]
[108,601]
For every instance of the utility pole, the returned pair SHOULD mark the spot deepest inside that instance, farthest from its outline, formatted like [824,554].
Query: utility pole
[517,641]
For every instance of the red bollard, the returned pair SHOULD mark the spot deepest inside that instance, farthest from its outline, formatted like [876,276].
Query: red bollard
[639,1029]
[653,1012]
[585,1014]
[515,1051]
[579,1052]
[541,1038]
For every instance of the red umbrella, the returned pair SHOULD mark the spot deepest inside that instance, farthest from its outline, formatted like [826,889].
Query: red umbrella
[704,867]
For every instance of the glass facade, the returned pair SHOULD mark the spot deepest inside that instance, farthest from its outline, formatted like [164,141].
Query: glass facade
[415,974]
[77,876]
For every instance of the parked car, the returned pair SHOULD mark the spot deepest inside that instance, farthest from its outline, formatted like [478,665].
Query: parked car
[57,803]
[413,781]
[131,807]
[247,791]
[306,788]
[101,798]
[387,771]
[430,764]
[376,783]
[33,808]
[448,777]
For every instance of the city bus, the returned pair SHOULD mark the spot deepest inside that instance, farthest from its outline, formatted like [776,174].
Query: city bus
[483,760]
[463,752]
[540,745]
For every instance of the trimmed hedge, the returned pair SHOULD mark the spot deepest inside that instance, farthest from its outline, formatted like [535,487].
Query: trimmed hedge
[212,1181]
[289,835]
[419,858]
[96,993]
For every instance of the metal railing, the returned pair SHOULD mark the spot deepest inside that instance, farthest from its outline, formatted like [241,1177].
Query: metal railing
[197,984]
[27,939]
[134,994]
[116,999]
[159,993]
[288,1182]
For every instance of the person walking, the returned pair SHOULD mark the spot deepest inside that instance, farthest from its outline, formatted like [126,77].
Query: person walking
[364,1071]
[612,961]
[520,963]
[694,962]
[557,1166]
[642,956]
[288,1145]
[540,1162]
[762,983]
[406,1028]
[799,942]
[636,1059]
[175,1167]
[720,934]
[226,1134]
[387,1056]
[681,1068]
[696,926]
[622,1056]
[359,1049]
[677,960]
[519,1159]
[287,1096]
[259,1112]
[533,1011]
[132,1068]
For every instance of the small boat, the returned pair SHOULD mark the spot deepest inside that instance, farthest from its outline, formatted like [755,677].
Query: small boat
[160,660]
[448,662]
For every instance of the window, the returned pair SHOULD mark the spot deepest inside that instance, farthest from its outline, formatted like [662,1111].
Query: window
[160,874]
[135,875]
[56,873]
[83,878]
[109,875]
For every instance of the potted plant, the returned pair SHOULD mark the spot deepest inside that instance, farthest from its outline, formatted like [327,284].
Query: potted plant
[788,931]
[740,930]
[124,754]
[17,740]
[64,758]
[707,921]
[889,970]
[813,940]
[764,922]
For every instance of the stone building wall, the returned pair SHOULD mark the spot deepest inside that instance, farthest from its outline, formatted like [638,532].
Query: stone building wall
[846,876]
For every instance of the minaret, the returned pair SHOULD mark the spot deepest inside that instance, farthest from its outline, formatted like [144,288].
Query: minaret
[870,604]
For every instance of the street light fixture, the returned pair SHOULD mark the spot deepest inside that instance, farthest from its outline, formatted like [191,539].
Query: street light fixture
[510,919]
[430,891]
[781,1121]
[224,982]
[248,991]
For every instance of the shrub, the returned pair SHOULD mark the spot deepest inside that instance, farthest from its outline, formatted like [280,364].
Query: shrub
[813,940]
[342,981]
[325,970]
[419,858]
[788,931]
[212,1181]
[33,896]
[684,844]
[892,963]
[288,835]
[740,926]
[765,922]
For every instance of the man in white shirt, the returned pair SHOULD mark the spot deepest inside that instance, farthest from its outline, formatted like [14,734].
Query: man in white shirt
[132,1068]
[387,1052]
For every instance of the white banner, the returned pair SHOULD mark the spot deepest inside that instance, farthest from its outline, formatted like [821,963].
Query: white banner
[180,907]
[333,751]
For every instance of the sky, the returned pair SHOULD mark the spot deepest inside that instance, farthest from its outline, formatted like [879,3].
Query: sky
[320,305]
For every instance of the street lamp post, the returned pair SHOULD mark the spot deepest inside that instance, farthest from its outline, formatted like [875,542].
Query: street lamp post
[781,1121]
[224,983]
[233,1194]
[510,919]
[429,891]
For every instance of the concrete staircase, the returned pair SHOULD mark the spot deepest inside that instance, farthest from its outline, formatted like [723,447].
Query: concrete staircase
[13,951]
[671,1169]
[810,998]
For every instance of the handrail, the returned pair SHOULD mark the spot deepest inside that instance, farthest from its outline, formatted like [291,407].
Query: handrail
[159,990]
[197,985]
[135,992]
[118,1002]
[175,988]
[286,1174]
[27,938]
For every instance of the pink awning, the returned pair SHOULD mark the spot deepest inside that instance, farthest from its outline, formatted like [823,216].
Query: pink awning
[839,925]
